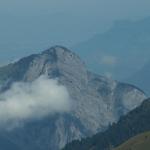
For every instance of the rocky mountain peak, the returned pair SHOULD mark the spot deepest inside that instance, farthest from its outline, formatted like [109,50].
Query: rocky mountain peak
[62,53]
[57,62]
[96,101]
[57,49]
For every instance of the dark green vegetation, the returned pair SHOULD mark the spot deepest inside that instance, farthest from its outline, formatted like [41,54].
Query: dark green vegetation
[134,123]
[140,142]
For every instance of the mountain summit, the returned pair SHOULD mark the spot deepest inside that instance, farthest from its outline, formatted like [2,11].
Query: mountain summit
[97,101]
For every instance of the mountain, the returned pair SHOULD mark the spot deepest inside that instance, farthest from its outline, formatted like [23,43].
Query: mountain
[135,122]
[140,142]
[97,101]
[120,51]
[6,144]
[141,78]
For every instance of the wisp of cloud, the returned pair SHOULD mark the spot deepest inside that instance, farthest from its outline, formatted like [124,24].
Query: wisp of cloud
[34,100]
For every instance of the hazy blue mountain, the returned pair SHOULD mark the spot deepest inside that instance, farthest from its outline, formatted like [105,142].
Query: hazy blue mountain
[6,144]
[142,78]
[119,52]
[97,100]
[134,123]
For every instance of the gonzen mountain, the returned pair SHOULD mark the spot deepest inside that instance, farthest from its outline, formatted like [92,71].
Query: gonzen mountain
[130,125]
[97,101]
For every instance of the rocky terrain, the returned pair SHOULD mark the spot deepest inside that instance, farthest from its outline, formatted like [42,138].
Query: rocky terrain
[134,123]
[97,101]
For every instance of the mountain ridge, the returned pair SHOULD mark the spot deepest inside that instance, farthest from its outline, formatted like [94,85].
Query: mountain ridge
[106,53]
[97,100]
[141,78]
[128,126]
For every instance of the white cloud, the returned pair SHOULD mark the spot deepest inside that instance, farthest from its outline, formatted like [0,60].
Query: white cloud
[108,60]
[34,100]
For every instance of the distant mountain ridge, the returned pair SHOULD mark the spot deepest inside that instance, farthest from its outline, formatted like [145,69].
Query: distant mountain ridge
[97,100]
[142,78]
[120,51]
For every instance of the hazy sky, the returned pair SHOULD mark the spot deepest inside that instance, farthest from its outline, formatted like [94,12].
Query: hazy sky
[31,25]
[100,8]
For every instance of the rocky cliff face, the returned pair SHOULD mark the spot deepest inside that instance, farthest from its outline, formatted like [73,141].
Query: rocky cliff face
[135,122]
[96,100]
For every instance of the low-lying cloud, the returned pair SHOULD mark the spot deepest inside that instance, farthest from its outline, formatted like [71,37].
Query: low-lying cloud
[34,100]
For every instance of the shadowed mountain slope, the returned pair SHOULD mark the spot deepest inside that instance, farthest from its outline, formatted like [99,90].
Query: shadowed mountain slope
[134,123]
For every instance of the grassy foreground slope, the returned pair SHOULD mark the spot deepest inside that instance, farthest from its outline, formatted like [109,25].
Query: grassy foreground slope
[140,142]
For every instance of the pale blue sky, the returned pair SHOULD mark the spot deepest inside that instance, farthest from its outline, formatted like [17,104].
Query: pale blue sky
[28,26]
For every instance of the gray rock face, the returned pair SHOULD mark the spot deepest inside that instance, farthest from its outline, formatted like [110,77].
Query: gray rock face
[97,100]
